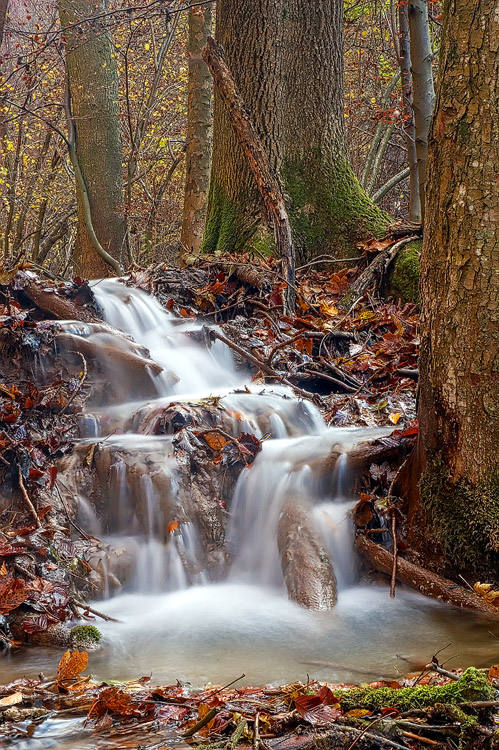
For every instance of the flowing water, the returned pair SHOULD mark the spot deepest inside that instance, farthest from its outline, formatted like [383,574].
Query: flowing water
[178,619]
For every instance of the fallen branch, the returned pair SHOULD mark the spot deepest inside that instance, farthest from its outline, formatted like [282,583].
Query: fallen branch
[428,583]
[267,184]
[93,611]
[55,304]
[373,275]
[28,499]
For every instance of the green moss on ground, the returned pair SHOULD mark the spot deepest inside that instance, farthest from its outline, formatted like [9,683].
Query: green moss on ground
[471,686]
[87,636]
[464,518]
[404,278]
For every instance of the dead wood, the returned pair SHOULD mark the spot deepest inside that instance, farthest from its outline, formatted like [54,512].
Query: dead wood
[363,455]
[55,304]
[428,583]
[305,562]
[372,277]
[267,183]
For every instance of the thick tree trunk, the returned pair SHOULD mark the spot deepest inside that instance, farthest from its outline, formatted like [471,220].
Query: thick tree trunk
[3,15]
[198,151]
[93,81]
[459,368]
[407,94]
[286,60]
[424,94]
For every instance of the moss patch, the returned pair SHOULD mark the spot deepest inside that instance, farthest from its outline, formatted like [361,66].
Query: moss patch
[403,282]
[471,686]
[87,636]
[464,518]
[228,225]
[328,209]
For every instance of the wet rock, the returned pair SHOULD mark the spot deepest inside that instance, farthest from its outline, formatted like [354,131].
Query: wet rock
[305,561]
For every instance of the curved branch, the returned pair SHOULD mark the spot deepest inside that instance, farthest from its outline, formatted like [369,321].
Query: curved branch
[389,184]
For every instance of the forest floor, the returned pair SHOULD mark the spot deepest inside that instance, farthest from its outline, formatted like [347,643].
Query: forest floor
[356,360]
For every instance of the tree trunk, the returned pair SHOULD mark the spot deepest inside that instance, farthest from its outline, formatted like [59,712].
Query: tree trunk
[424,94]
[459,364]
[407,94]
[93,81]
[3,15]
[287,62]
[198,151]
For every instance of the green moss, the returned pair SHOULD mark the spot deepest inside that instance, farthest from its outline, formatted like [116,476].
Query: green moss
[464,518]
[328,209]
[85,635]
[471,686]
[404,277]
[228,226]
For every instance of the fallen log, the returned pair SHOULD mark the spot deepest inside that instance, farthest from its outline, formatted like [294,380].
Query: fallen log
[267,183]
[47,299]
[305,562]
[428,583]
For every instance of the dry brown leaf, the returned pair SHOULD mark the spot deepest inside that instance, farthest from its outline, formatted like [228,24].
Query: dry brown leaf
[12,700]
[215,440]
[71,664]
[12,593]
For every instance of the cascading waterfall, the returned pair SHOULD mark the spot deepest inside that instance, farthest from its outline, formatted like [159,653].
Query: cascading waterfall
[181,618]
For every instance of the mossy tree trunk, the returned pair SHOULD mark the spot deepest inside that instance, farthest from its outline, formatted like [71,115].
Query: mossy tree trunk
[459,364]
[198,150]
[93,81]
[287,61]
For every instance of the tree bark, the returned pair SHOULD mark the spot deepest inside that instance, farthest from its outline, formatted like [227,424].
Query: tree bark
[287,62]
[4,4]
[198,139]
[407,95]
[424,94]
[93,81]
[459,363]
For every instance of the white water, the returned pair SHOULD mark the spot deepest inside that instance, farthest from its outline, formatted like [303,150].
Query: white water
[179,624]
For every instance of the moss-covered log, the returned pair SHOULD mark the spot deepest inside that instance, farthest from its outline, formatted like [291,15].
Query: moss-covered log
[403,278]
[471,686]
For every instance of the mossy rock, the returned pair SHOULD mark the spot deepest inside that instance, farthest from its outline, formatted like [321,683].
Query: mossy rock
[471,686]
[403,279]
[85,636]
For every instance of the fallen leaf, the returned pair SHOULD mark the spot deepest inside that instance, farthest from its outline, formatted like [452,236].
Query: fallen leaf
[172,526]
[71,664]
[394,417]
[12,593]
[215,440]
[12,700]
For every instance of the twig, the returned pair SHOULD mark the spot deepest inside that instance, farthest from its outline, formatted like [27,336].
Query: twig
[80,384]
[256,732]
[96,612]
[201,723]
[394,569]
[414,736]
[27,499]
[434,667]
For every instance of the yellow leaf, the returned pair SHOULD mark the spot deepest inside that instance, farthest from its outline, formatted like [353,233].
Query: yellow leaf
[3,569]
[394,417]
[147,45]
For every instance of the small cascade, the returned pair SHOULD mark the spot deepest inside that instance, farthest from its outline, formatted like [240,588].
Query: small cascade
[162,533]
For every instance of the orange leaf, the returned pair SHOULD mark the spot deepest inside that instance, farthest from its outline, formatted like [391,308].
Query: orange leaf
[172,526]
[494,672]
[71,664]
[215,440]
[3,569]
[12,700]
[12,593]
[394,417]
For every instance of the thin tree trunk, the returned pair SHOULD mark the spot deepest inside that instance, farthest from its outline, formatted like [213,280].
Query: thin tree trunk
[4,4]
[287,61]
[198,141]
[424,94]
[407,94]
[459,363]
[93,80]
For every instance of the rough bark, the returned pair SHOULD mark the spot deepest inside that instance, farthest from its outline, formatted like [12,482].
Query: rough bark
[459,363]
[266,182]
[93,81]
[424,94]
[407,94]
[286,59]
[198,139]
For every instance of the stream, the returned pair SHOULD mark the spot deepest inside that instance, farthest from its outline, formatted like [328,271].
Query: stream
[180,620]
